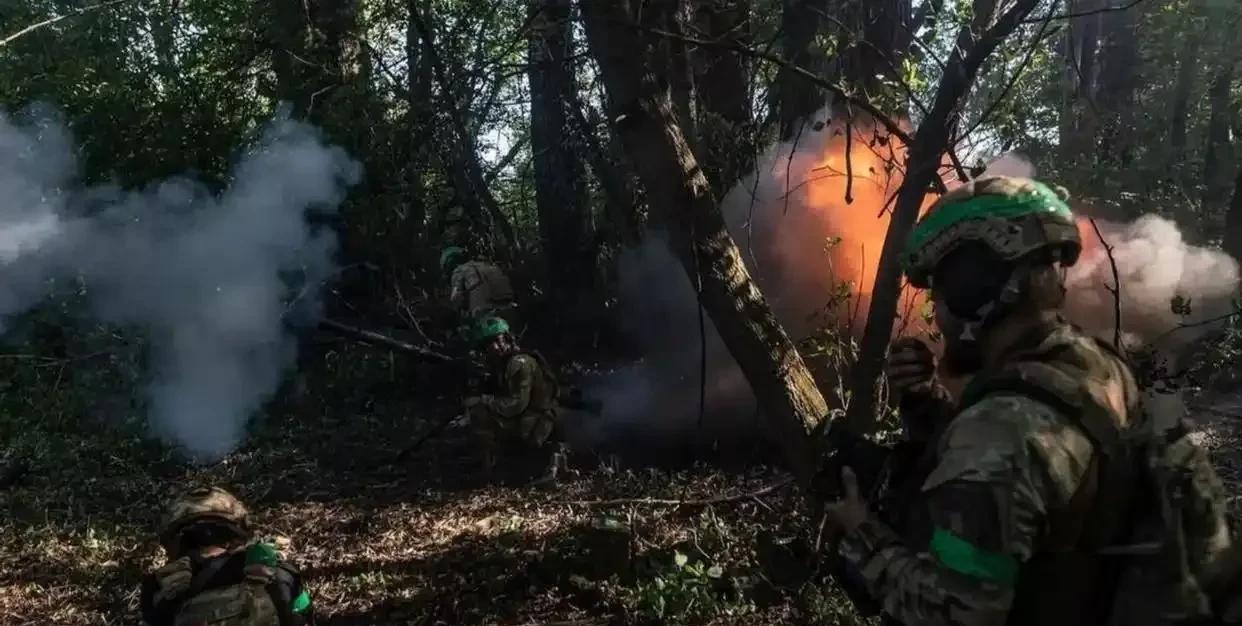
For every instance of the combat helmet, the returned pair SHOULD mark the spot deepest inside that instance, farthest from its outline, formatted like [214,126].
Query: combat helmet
[488,329]
[451,257]
[1013,217]
[201,504]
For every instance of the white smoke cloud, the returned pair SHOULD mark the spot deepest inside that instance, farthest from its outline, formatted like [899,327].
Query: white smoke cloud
[205,275]
[1154,266]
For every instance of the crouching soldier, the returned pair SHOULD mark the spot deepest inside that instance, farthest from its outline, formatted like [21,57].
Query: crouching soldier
[523,409]
[217,574]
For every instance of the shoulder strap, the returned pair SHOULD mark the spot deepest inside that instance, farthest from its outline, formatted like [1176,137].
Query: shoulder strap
[205,576]
[1057,388]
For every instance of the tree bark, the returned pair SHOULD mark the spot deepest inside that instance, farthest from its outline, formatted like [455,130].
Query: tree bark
[796,99]
[1218,154]
[975,43]
[420,130]
[1079,50]
[613,173]
[565,228]
[1233,222]
[1187,75]
[875,38]
[722,76]
[1117,84]
[315,53]
[677,189]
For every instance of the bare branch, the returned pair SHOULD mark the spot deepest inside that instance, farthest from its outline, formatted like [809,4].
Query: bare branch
[1070,16]
[1116,288]
[52,20]
[885,120]
[1040,37]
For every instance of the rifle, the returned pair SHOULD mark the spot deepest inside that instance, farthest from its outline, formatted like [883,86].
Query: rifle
[418,443]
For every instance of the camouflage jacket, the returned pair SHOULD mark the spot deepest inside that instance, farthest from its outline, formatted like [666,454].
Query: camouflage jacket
[193,584]
[524,386]
[1000,471]
[479,288]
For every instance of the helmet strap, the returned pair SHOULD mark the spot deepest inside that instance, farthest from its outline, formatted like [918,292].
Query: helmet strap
[1009,295]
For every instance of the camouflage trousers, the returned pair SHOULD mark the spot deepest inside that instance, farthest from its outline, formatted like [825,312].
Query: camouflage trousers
[530,430]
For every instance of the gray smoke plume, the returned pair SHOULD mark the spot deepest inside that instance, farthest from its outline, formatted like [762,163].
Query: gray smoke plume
[210,278]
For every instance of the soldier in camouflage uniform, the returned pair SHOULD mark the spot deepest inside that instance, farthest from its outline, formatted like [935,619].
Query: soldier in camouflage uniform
[477,289]
[1005,503]
[524,408]
[217,573]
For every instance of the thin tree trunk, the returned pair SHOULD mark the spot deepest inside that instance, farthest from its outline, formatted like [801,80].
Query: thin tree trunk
[463,168]
[975,43]
[723,79]
[796,99]
[613,174]
[565,227]
[677,189]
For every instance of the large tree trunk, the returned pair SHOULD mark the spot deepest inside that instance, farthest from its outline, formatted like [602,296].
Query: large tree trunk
[975,43]
[420,127]
[565,228]
[1233,222]
[1218,154]
[726,138]
[677,189]
[876,39]
[1116,87]
[317,57]
[1187,75]
[1079,50]
[796,98]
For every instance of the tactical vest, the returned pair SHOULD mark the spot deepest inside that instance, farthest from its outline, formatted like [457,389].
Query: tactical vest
[1082,573]
[201,601]
[488,290]
[545,392]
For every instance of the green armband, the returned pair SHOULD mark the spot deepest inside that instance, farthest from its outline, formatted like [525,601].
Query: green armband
[301,603]
[967,559]
[261,554]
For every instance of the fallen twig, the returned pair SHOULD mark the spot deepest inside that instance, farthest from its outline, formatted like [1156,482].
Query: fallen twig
[776,486]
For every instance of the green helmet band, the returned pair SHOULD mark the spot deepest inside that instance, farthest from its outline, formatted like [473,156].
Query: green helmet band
[1011,225]
[489,329]
[450,256]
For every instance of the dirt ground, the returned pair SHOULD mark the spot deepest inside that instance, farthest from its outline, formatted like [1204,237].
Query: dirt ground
[426,542]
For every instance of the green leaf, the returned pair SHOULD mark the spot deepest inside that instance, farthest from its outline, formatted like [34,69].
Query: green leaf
[715,571]
[680,559]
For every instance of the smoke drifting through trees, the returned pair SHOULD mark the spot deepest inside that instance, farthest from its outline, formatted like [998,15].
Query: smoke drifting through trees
[210,278]
[802,268]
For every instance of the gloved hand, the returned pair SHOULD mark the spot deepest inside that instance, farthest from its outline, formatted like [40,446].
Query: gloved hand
[911,367]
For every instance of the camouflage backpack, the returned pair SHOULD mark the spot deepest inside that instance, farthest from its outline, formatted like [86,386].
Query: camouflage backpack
[250,601]
[1148,524]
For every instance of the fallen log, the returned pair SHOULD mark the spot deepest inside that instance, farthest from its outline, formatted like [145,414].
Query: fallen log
[375,338]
